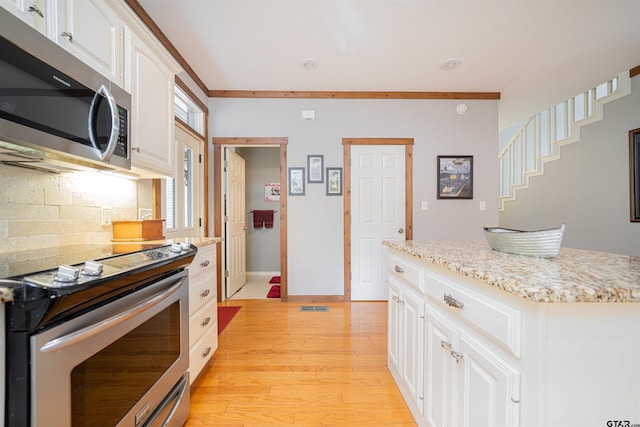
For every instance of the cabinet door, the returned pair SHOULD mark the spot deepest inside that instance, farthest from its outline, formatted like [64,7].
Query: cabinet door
[411,366]
[151,84]
[440,338]
[33,12]
[92,32]
[394,321]
[489,388]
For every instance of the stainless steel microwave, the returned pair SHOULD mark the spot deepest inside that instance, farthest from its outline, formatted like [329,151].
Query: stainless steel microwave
[57,113]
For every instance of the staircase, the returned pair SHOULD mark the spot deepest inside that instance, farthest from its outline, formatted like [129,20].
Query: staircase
[541,137]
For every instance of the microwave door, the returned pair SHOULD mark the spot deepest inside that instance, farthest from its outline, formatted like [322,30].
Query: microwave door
[103,93]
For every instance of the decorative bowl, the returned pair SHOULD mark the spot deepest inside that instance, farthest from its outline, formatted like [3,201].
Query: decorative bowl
[537,243]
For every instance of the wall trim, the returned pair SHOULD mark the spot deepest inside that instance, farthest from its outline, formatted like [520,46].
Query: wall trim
[351,95]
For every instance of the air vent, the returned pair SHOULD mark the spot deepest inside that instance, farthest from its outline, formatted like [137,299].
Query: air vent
[318,308]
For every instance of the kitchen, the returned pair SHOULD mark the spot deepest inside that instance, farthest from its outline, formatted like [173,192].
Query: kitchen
[430,122]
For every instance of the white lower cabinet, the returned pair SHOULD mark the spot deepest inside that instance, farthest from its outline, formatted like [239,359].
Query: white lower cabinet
[203,310]
[485,357]
[467,384]
[406,342]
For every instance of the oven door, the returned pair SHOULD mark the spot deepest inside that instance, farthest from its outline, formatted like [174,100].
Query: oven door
[117,364]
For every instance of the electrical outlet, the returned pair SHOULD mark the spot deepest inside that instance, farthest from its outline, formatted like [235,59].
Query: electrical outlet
[106,216]
[483,206]
[425,205]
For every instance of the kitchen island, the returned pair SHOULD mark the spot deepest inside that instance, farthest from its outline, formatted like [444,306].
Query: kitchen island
[480,337]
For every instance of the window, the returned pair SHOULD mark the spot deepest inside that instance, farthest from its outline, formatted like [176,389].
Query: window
[183,194]
[187,111]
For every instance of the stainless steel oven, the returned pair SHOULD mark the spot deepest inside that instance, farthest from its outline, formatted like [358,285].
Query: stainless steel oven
[103,349]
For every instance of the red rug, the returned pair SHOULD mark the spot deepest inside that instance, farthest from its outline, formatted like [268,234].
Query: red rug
[275,279]
[225,314]
[274,292]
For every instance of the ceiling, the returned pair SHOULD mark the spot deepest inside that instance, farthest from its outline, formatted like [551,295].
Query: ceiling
[536,53]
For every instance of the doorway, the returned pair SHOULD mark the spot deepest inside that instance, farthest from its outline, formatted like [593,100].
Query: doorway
[351,264]
[219,215]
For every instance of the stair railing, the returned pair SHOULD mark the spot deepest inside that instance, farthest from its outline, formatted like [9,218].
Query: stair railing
[540,138]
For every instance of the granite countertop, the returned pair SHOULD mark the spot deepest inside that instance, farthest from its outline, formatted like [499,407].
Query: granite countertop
[574,275]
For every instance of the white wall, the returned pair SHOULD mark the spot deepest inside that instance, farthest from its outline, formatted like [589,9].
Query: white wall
[315,229]
[588,188]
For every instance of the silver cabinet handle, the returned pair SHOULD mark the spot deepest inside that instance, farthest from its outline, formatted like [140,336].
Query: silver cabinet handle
[34,9]
[205,322]
[400,230]
[452,302]
[206,352]
[205,293]
[456,355]
[136,149]
[68,35]
[446,345]
[398,269]
[204,263]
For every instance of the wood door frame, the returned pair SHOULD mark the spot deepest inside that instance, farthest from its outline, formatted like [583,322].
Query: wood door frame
[347,143]
[218,145]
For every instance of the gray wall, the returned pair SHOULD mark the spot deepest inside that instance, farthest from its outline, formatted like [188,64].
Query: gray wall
[588,188]
[315,229]
[262,165]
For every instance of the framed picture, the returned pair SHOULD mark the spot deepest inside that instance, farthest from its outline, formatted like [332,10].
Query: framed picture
[334,181]
[272,192]
[296,181]
[455,177]
[315,166]
[634,174]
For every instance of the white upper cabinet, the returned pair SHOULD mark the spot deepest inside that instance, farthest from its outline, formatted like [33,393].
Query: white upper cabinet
[33,12]
[150,81]
[92,32]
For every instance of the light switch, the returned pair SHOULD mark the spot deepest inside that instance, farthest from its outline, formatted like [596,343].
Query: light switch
[483,205]
[424,205]
[106,216]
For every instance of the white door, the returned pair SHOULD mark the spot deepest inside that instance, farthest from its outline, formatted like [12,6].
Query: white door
[235,224]
[377,214]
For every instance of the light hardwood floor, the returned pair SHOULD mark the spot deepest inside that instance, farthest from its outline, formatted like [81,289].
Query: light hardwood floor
[276,365]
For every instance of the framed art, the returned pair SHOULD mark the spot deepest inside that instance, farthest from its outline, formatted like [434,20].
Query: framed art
[272,192]
[296,181]
[634,174]
[315,167]
[334,181]
[455,177]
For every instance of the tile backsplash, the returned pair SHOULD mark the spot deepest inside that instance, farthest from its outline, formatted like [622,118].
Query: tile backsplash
[40,209]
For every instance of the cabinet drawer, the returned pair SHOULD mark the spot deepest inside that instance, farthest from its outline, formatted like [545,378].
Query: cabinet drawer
[499,321]
[411,273]
[202,321]
[201,292]
[202,352]
[204,263]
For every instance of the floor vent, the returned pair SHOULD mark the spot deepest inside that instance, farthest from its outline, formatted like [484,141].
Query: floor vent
[314,308]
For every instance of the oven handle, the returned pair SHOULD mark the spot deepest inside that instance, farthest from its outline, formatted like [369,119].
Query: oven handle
[84,333]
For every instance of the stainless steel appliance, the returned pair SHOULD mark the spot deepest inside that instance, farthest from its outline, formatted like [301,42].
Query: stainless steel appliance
[56,113]
[101,343]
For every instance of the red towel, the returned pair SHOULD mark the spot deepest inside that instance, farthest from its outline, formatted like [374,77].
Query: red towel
[258,219]
[268,218]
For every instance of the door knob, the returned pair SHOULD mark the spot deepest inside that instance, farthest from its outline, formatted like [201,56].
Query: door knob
[400,230]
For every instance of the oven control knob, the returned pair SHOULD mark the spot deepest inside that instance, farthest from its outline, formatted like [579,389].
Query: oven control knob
[67,274]
[185,246]
[92,268]
[175,247]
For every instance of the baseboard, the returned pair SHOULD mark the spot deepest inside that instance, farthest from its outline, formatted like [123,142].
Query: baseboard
[315,298]
[262,273]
